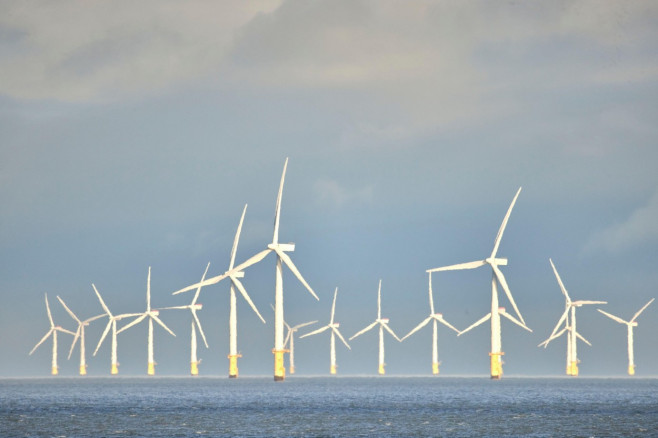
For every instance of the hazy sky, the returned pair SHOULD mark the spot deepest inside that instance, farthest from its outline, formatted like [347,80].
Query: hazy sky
[132,136]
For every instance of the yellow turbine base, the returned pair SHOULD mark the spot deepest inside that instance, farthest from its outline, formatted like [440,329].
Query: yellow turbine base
[573,371]
[194,368]
[151,369]
[83,370]
[435,368]
[54,371]
[381,369]
[631,370]
[332,370]
[233,365]
[115,369]
[496,365]
[292,369]
[279,367]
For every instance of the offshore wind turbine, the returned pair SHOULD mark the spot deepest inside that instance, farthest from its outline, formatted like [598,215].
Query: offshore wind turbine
[334,332]
[497,277]
[629,324]
[79,334]
[111,324]
[383,325]
[435,318]
[193,307]
[52,331]
[234,273]
[569,320]
[290,338]
[152,315]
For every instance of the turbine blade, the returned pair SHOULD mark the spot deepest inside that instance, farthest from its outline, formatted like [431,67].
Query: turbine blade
[418,327]
[514,320]
[174,307]
[50,316]
[93,318]
[501,230]
[105,332]
[468,265]
[196,294]
[75,318]
[333,307]
[107,310]
[148,291]
[364,330]
[503,283]
[159,321]
[341,337]
[642,309]
[553,336]
[560,321]
[198,324]
[559,281]
[245,295]
[295,271]
[63,330]
[388,329]
[277,212]
[251,261]
[50,332]
[315,332]
[234,249]
[288,335]
[298,326]
[613,317]
[431,297]
[379,300]
[583,339]
[132,323]
[476,323]
[75,339]
[446,323]
[583,302]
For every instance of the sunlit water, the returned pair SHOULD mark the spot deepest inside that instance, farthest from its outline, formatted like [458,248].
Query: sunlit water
[343,406]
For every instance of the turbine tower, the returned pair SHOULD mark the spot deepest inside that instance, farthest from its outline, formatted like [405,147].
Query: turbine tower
[334,332]
[569,319]
[383,325]
[52,331]
[496,311]
[152,315]
[111,323]
[193,307]
[435,318]
[629,324]
[79,334]
[234,273]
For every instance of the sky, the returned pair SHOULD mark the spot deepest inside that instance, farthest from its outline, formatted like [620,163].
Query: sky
[132,136]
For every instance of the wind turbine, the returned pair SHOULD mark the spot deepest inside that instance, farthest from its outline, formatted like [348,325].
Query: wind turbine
[79,334]
[334,332]
[435,318]
[496,311]
[152,315]
[193,307]
[234,273]
[111,323]
[290,338]
[383,325]
[569,326]
[630,324]
[53,331]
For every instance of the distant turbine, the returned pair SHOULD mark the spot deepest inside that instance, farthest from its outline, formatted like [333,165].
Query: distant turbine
[53,331]
[79,334]
[435,318]
[383,325]
[193,307]
[569,327]
[496,312]
[290,338]
[152,315]
[629,324]
[334,332]
[234,273]
[111,323]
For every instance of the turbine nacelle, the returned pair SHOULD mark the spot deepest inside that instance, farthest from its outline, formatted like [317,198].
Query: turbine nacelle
[285,247]
[383,320]
[496,261]
[197,306]
[633,324]
[438,315]
[154,312]
[237,274]
[336,325]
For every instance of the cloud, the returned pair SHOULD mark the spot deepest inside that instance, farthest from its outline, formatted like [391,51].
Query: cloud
[640,228]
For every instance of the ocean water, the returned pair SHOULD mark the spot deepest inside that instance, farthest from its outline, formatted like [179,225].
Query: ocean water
[328,407]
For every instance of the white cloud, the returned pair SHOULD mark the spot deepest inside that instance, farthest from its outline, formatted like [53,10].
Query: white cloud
[641,227]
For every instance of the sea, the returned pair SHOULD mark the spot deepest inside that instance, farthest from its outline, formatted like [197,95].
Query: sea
[383,406]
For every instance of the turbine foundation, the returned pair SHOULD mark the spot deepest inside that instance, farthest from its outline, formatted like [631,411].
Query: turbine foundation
[151,369]
[435,368]
[631,370]
[573,371]
[83,370]
[382,371]
[233,365]
[279,367]
[115,369]
[54,371]
[194,368]
[496,365]
[292,369]
[332,370]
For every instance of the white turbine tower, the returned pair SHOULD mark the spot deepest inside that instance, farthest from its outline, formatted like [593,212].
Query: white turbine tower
[435,318]
[629,324]
[234,273]
[496,311]
[569,319]
[152,315]
[290,338]
[334,332]
[111,323]
[193,307]
[52,331]
[383,325]
[79,334]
